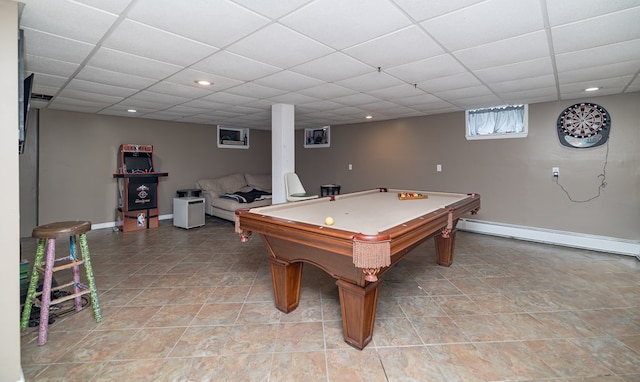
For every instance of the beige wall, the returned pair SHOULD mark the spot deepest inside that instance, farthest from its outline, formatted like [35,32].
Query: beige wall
[78,156]
[512,175]
[10,369]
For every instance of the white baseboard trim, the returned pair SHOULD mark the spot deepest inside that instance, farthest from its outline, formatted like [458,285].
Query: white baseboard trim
[113,224]
[564,238]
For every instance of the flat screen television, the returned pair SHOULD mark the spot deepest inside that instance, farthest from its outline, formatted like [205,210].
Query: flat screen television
[24,106]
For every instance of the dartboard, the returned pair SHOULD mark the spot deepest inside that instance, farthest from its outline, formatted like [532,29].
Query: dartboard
[584,125]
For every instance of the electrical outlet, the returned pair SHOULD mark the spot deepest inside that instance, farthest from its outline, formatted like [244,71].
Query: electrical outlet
[555,171]
[439,168]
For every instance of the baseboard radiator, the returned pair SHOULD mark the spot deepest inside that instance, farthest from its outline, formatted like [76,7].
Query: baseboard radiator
[548,236]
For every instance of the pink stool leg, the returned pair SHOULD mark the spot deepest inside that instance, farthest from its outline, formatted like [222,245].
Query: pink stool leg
[46,291]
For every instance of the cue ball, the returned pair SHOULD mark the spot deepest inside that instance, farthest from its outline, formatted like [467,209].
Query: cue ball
[328,220]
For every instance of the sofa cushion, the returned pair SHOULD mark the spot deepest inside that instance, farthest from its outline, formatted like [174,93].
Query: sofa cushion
[224,184]
[232,205]
[259,181]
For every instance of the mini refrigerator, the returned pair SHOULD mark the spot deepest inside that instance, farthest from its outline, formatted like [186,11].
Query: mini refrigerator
[188,212]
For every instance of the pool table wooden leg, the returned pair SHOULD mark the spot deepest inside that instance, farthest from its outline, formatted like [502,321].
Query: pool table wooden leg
[286,278]
[358,307]
[445,247]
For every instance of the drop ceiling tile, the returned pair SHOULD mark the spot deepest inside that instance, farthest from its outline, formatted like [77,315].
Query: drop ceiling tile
[72,104]
[187,110]
[456,81]
[170,88]
[439,66]
[327,91]
[39,44]
[526,47]
[289,81]
[607,86]
[157,98]
[485,22]
[545,81]
[229,99]
[634,86]
[370,81]
[122,62]
[582,34]
[273,9]
[476,102]
[596,73]
[356,99]
[397,48]
[84,24]
[421,99]
[45,90]
[111,78]
[113,6]
[214,22]
[401,112]
[545,94]
[333,67]
[47,80]
[317,106]
[255,90]
[430,105]
[50,66]
[163,116]
[568,11]
[518,70]
[204,104]
[341,24]
[156,44]
[291,99]
[599,56]
[400,91]
[235,66]
[245,110]
[350,111]
[279,46]
[188,77]
[98,88]
[461,93]
[420,10]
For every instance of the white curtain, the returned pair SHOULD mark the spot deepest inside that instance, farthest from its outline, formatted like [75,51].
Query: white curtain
[496,120]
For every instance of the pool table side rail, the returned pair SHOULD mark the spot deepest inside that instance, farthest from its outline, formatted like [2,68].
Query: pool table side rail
[404,237]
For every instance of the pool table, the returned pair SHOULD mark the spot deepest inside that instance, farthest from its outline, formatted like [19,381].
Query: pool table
[371,232]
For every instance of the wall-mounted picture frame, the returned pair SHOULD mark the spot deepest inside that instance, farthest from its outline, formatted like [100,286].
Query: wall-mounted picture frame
[317,137]
[233,137]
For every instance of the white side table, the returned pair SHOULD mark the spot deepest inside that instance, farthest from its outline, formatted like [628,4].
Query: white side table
[188,212]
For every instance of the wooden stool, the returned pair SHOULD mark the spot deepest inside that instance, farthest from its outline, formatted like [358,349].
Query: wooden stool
[46,235]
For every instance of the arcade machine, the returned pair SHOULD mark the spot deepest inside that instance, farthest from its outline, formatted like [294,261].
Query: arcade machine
[137,187]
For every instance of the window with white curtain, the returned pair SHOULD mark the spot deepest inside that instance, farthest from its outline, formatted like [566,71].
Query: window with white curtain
[497,122]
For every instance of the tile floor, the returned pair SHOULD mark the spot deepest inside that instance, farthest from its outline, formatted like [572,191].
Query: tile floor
[197,305]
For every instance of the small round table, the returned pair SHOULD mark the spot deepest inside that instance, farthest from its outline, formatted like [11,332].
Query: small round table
[329,189]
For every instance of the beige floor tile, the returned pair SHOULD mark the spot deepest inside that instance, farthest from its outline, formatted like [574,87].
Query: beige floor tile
[197,305]
[298,366]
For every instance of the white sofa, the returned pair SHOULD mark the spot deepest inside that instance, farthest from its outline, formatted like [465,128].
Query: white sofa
[224,207]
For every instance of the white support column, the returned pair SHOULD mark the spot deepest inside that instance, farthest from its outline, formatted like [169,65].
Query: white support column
[283,153]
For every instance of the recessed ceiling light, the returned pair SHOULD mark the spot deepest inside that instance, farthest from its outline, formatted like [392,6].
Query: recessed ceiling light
[369,117]
[203,82]
[592,89]
[132,111]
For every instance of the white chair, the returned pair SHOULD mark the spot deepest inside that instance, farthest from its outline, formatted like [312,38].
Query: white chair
[294,189]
